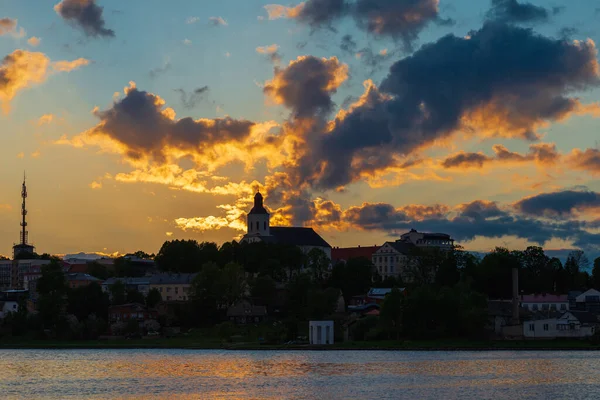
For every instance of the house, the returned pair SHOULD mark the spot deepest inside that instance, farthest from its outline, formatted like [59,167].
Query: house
[421,239]
[545,302]
[320,332]
[588,301]
[259,229]
[126,312]
[500,314]
[173,287]
[245,313]
[570,324]
[346,253]
[391,259]
[7,307]
[141,285]
[77,280]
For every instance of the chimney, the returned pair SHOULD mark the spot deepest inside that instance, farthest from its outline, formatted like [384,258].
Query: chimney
[515,296]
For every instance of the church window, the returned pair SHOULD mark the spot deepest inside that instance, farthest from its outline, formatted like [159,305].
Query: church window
[257,225]
[265,225]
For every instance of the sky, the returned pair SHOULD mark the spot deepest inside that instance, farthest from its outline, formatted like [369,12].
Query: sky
[144,121]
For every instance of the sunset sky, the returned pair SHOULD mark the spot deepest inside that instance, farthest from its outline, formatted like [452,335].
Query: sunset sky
[142,121]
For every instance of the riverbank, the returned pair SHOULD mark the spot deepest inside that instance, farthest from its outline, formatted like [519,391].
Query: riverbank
[215,344]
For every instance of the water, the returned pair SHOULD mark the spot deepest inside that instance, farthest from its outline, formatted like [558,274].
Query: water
[205,374]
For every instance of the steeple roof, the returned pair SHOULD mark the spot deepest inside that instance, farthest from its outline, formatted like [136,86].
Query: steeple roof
[258,205]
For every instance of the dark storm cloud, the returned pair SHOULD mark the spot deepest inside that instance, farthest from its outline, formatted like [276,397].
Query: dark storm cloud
[543,153]
[306,85]
[319,13]
[348,44]
[401,19]
[190,100]
[466,160]
[139,122]
[500,73]
[588,160]
[559,204]
[85,14]
[476,219]
[513,11]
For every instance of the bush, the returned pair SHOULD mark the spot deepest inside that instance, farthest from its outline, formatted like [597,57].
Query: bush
[151,325]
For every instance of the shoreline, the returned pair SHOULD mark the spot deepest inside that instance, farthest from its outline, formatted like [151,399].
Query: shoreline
[352,346]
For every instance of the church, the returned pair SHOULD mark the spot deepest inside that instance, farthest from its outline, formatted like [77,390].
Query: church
[259,229]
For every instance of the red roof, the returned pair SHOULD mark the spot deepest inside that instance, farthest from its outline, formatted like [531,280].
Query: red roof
[347,253]
[545,298]
[78,268]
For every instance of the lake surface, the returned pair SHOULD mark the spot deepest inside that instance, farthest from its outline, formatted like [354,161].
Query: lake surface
[205,374]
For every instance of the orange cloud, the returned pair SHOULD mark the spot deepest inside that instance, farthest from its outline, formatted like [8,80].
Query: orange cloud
[22,69]
[277,11]
[586,160]
[34,41]
[45,119]
[8,26]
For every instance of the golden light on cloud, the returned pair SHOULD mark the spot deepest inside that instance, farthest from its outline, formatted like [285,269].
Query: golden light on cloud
[267,49]
[34,41]
[277,11]
[96,185]
[21,155]
[45,119]
[22,69]
[36,154]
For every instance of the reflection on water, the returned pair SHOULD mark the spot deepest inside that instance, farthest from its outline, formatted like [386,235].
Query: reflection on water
[189,374]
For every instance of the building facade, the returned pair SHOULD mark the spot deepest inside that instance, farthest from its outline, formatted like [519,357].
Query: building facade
[391,259]
[173,287]
[545,302]
[422,239]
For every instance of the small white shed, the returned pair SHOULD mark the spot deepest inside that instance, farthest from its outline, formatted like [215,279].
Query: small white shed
[320,332]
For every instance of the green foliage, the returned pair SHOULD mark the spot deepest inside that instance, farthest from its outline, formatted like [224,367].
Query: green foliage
[214,289]
[153,298]
[264,291]
[52,289]
[431,312]
[118,293]
[305,300]
[596,273]
[88,300]
[133,296]
[391,314]
[98,270]
[318,264]
[186,256]
[353,277]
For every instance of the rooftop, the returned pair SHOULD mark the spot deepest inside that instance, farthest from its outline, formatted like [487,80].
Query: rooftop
[170,279]
[352,252]
[544,298]
[298,236]
[81,277]
[258,208]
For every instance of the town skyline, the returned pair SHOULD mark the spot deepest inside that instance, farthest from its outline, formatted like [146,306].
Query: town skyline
[132,135]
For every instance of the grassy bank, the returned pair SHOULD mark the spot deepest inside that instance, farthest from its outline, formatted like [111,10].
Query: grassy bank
[214,343]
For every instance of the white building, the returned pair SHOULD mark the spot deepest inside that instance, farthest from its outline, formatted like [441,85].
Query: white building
[320,332]
[7,307]
[571,324]
[391,259]
[422,239]
[545,302]
[259,229]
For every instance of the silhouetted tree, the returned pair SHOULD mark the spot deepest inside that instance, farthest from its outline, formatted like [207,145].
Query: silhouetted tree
[52,289]
[180,256]
[391,313]
[118,294]
[596,273]
[86,300]
[98,270]
[153,298]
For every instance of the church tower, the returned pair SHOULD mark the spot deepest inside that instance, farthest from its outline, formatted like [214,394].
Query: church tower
[258,218]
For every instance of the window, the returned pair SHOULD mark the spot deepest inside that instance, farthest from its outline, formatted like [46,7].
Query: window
[160,290]
[397,259]
[545,307]
[265,223]
[545,327]
[257,225]
[534,307]
[385,259]
[531,328]
[391,269]
[168,289]
[563,306]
